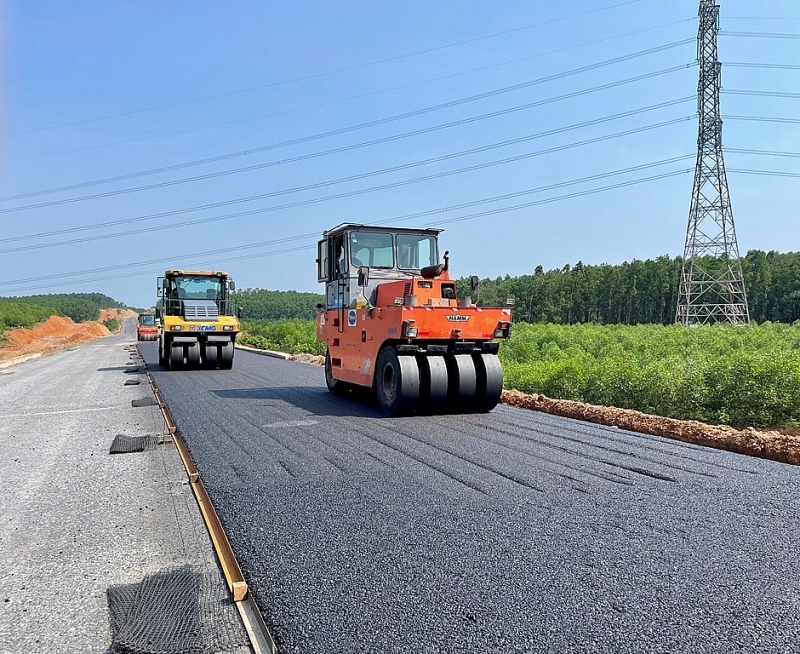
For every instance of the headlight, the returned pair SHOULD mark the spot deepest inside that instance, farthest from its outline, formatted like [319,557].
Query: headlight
[409,331]
[227,328]
[503,330]
[176,328]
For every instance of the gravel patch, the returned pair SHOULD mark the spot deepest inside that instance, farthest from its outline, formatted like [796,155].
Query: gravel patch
[75,521]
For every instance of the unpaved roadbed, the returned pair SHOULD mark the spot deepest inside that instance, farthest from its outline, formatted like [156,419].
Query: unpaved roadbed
[74,519]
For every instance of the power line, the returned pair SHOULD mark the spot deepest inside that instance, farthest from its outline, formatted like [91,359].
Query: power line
[330,72]
[760,35]
[346,148]
[347,193]
[741,64]
[407,217]
[351,178]
[769,94]
[389,119]
[429,212]
[359,96]
[763,119]
[770,173]
[766,153]
[315,236]
[760,18]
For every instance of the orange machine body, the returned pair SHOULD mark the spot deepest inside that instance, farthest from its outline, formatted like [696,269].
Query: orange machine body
[147,329]
[412,315]
[147,333]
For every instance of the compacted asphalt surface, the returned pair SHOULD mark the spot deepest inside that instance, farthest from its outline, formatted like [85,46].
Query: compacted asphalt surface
[513,531]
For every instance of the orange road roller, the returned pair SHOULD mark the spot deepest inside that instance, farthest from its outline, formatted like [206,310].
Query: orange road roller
[392,321]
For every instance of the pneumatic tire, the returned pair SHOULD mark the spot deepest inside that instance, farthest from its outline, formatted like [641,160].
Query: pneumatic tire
[175,357]
[462,382]
[226,356]
[396,382]
[489,376]
[162,358]
[334,385]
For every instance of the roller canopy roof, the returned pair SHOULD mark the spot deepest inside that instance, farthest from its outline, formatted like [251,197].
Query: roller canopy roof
[208,273]
[382,228]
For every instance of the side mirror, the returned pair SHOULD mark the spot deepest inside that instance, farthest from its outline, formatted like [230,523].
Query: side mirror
[239,313]
[320,307]
[474,284]
[158,313]
[231,284]
[363,276]
[164,283]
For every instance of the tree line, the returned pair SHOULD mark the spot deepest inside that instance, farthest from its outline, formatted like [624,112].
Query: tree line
[631,293]
[637,292]
[78,306]
[261,304]
[15,315]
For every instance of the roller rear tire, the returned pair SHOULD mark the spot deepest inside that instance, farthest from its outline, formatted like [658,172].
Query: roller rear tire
[211,355]
[193,355]
[226,356]
[462,382]
[489,375]
[175,357]
[433,384]
[396,382]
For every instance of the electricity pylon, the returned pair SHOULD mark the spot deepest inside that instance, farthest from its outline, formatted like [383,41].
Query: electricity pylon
[712,285]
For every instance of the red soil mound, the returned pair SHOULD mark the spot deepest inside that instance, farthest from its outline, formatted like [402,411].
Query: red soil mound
[117,314]
[56,332]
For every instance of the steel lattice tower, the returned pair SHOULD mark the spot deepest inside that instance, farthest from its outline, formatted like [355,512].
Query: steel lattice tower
[712,285]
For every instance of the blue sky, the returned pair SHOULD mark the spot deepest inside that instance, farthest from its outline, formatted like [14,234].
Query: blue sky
[447,109]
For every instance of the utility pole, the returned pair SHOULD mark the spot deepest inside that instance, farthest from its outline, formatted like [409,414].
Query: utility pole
[711,286]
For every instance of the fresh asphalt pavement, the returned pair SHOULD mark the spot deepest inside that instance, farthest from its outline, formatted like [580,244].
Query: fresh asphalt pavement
[75,520]
[513,531]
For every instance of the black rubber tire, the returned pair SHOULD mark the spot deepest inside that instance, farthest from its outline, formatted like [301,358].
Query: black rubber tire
[396,382]
[226,356]
[193,355]
[432,384]
[211,355]
[334,385]
[162,358]
[489,375]
[462,382]
[175,357]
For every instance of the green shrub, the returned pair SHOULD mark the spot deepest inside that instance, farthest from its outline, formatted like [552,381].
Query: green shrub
[291,336]
[743,376]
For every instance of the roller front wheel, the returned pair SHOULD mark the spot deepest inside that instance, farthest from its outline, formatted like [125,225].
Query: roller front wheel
[334,385]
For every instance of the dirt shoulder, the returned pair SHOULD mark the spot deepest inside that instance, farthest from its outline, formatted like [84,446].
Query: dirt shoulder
[56,333]
[773,445]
